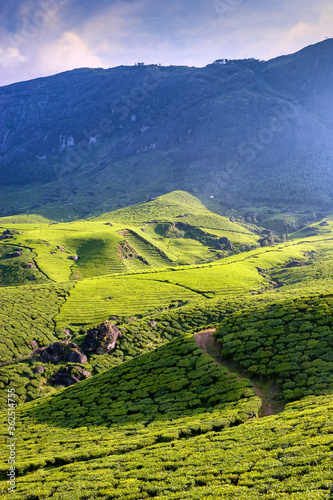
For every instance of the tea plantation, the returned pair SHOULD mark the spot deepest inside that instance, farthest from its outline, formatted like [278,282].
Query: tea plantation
[144,412]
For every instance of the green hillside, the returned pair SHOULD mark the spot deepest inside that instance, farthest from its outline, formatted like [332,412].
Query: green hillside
[173,409]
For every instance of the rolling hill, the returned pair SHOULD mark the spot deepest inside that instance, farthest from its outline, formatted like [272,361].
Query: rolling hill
[142,369]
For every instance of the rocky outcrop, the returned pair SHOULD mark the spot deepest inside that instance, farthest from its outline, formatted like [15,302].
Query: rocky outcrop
[101,339]
[73,257]
[227,245]
[69,375]
[62,352]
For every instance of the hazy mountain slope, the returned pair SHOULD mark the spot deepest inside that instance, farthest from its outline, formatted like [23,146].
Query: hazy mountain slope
[244,130]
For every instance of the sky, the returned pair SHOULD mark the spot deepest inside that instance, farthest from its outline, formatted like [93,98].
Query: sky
[44,37]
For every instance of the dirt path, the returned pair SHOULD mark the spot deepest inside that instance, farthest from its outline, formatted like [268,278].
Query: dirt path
[207,343]
[202,338]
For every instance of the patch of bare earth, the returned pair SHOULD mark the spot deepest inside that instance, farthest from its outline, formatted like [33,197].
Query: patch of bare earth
[208,344]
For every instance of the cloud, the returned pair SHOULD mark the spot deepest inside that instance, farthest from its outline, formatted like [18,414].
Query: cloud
[11,57]
[58,35]
[68,52]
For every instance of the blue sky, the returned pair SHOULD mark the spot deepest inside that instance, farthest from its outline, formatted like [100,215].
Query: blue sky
[44,37]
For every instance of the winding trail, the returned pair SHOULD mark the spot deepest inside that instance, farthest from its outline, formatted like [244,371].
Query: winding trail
[208,344]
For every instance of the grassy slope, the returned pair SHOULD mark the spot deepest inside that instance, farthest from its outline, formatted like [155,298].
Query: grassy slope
[117,424]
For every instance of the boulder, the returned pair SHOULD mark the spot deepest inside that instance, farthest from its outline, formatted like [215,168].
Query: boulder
[101,339]
[33,344]
[226,243]
[324,223]
[62,351]
[61,248]
[38,369]
[73,257]
[108,224]
[69,375]
[29,265]
[15,254]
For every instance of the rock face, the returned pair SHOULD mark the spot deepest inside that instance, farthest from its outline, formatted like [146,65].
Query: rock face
[62,351]
[69,375]
[101,339]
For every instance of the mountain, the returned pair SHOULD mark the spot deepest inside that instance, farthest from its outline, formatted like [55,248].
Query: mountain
[244,131]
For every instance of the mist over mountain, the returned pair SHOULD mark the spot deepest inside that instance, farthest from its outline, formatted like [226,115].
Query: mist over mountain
[243,131]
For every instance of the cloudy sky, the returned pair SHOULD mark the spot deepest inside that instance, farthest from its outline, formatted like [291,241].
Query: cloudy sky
[44,37]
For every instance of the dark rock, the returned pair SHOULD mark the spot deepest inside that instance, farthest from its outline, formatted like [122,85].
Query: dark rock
[69,375]
[324,223]
[38,369]
[73,257]
[8,232]
[30,265]
[108,224]
[226,243]
[232,219]
[61,249]
[15,254]
[101,339]
[32,278]
[62,351]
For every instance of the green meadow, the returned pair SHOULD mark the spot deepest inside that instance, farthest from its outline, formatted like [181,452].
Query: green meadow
[242,410]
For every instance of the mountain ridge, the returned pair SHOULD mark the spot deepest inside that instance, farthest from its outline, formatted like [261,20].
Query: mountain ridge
[94,140]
